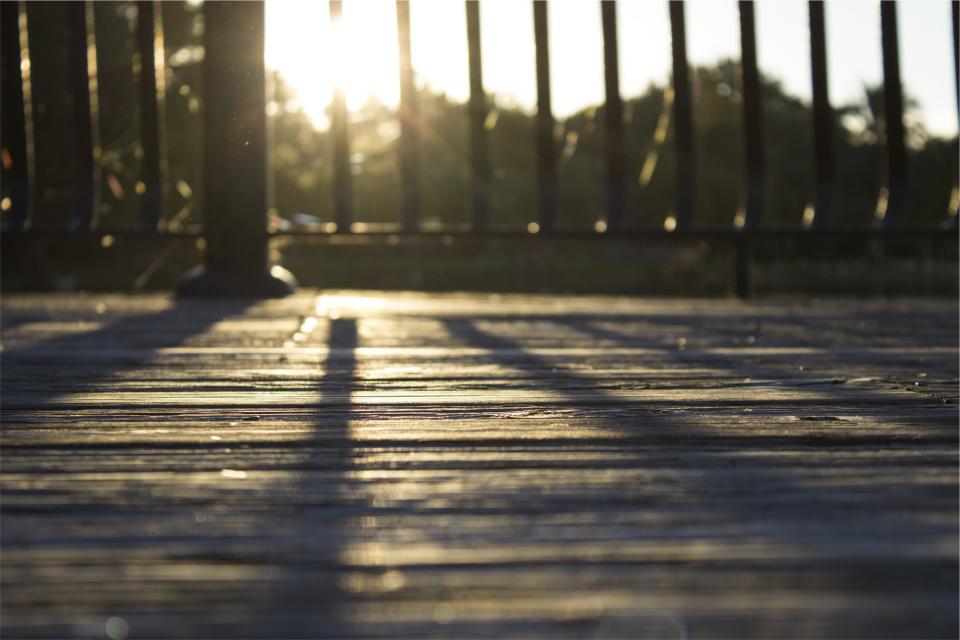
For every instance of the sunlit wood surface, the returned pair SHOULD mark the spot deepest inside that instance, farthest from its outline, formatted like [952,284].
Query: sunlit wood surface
[472,465]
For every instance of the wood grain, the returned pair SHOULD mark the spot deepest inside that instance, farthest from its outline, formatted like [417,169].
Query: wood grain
[406,465]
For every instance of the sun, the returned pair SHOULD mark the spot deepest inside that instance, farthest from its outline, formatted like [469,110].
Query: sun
[359,53]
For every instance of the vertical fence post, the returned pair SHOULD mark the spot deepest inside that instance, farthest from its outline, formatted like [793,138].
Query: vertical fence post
[752,117]
[685,195]
[822,118]
[80,55]
[893,117]
[616,169]
[235,157]
[546,151]
[14,124]
[743,269]
[152,88]
[342,178]
[755,161]
[479,157]
[955,11]
[409,123]
[953,214]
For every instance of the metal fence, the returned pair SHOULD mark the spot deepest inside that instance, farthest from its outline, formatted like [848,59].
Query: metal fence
[235,141]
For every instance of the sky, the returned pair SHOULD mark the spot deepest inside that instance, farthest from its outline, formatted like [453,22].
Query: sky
[362,52]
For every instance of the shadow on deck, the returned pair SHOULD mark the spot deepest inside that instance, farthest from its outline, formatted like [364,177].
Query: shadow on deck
[411,465]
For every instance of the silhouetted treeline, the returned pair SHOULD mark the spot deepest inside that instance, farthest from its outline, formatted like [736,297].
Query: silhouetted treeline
[302,155]
[302,160]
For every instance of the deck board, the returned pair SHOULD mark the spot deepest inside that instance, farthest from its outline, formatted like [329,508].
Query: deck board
[364,464]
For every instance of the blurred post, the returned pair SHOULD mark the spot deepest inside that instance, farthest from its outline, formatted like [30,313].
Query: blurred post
[613,106]
[152,87]
[822,119]
[342,178]
[953,214]
[752,118]
[955,11]
[409,123]
[479,157]
[755,160]
[546,152]
[893,118]
[83,91]
[685,196]
[743,266]
[15,166]
[235,158]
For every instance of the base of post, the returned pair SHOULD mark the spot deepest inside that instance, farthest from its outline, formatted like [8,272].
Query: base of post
[276,282]
[743,276]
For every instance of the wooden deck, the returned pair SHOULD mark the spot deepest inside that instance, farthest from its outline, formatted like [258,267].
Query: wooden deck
[469,465]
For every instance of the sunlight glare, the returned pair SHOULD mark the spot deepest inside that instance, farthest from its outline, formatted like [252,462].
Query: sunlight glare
[313,56]
[303,47]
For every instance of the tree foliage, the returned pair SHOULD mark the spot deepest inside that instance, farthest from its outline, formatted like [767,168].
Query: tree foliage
[301,154]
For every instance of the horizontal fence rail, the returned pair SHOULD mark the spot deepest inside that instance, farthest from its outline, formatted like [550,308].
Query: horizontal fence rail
[235,141]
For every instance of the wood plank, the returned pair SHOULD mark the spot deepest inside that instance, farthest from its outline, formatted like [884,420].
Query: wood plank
[347,464]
